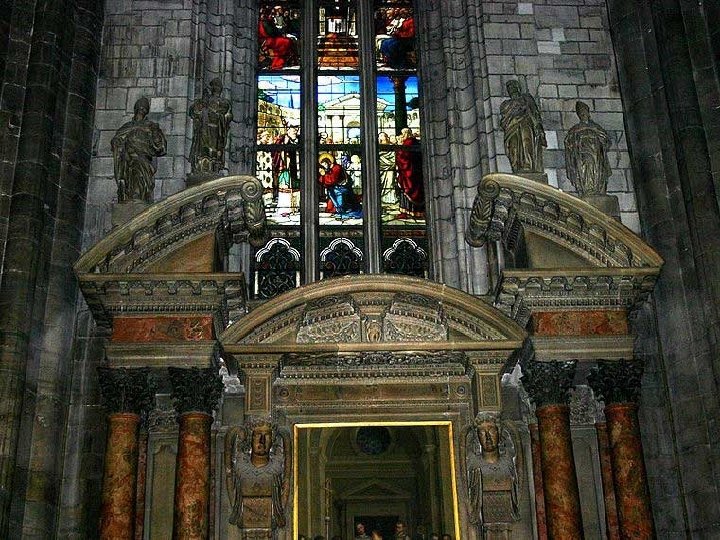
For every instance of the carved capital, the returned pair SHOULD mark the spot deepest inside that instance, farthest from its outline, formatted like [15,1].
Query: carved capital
[548,383]
[195,389]
[616,382]
[127,390]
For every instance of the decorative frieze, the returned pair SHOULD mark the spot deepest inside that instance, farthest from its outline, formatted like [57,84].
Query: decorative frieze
[195,389]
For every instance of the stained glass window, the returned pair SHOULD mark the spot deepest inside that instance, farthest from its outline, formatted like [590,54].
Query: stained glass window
[339,141]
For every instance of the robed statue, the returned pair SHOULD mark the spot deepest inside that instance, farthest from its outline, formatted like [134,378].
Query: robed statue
[492,477]
[257,467]
[211,115]
[586,160]
[524,133]
[134,146]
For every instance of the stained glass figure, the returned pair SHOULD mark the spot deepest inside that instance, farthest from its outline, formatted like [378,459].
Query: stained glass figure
[337,42]
[278,35]
[339,119]
[278,138]
[395,36]
[339,174]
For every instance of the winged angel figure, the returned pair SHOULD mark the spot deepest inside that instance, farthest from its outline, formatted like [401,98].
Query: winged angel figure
[492,473]
[257,465]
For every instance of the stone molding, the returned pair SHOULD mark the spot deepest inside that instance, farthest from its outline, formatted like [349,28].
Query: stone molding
[195,389]
[127,390]
[222,295]
[521,292]
[505,204]
[159,355]
[548,383]
[231,207]
[616,382]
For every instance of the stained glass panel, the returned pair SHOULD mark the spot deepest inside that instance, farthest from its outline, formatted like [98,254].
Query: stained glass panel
[339,120]
[278,35]
[337,41]
[395,35]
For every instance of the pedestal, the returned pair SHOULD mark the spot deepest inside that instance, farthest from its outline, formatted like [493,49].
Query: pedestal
[629,475]
[562,499]
[117,517]
[607,204]
[125,211]
[192,477]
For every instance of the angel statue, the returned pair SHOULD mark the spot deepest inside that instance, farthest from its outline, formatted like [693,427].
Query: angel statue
[492,477]
[257,465]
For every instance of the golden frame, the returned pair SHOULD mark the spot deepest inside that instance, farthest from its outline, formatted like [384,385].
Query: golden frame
[316,425]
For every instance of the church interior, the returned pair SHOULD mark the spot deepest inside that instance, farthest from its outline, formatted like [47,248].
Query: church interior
[359,269]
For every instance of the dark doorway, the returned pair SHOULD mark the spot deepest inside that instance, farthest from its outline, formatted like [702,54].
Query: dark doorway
[384,524]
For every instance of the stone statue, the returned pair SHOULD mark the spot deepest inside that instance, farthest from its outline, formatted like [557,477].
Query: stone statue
[492,477]
[134,146]
[524,133]
[211,116]
[586,146]
[257,467]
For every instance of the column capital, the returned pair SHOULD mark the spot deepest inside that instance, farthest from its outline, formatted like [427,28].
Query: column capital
[616,382]
[127,389]
[548,383]
[195,389]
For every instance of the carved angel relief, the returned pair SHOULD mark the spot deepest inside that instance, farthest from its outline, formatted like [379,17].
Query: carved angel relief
[257,468]
[492,473]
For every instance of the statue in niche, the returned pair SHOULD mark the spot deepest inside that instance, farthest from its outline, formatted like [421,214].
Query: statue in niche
[524,133]
[257,466]
[586,146]
[134,146]
[492,477]
[211,116]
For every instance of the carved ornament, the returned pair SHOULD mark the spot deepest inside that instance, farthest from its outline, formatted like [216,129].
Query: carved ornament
[195,389]
[127,390]
[548,383]
[616,382]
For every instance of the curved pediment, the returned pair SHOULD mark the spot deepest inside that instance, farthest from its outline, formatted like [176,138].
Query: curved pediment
[225,210]
[559,230]
[378,311]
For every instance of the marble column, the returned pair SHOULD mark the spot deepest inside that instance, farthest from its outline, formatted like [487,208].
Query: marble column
[540,517]
[548,384]
[127,394]
[617,384]
[196,393]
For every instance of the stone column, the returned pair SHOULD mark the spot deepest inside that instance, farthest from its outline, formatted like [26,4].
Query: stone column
[196,393]
[127,394]
[618,385]
[548,384]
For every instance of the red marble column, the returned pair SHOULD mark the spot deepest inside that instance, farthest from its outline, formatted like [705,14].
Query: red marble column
[629,475]
[117,521]
[562,500]
[192,477]
[540,516]
[611,516]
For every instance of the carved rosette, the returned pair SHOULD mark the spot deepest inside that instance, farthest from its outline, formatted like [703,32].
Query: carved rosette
[548,383]
[616,382]
[127,390]
[195,389]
